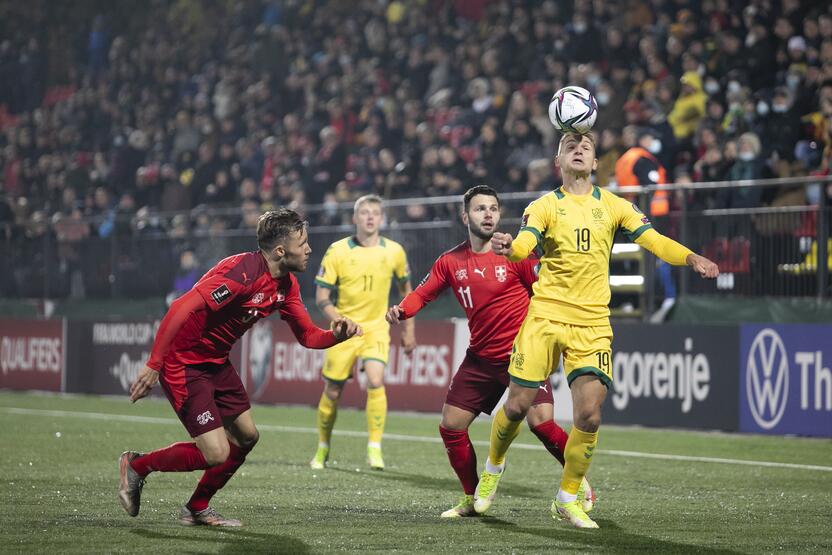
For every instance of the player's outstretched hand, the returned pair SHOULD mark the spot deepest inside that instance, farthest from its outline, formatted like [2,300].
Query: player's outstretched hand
[144,383]
[344,328]
[703,266]
[501,243]
[394,314]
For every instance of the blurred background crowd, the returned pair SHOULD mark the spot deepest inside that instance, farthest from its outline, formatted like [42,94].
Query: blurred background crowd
[113,118]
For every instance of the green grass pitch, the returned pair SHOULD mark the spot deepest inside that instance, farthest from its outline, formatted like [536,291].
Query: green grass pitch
[58,481]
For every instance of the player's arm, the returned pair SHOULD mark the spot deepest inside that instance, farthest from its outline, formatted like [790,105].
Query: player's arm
[639,229]
[294,313]
[323,298]
[528,238]
[179,311]
[409,331]
[431,287]
[677,254]
[327,282]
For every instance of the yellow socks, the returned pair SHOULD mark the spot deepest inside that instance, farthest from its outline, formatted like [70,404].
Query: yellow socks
[327,412]
[503,432]
[578,455]
[376,413]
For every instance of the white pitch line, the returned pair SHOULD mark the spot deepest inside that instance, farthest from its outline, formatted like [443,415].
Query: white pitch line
[403,437]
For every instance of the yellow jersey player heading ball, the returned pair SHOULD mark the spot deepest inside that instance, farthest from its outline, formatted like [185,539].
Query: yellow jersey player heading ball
[361,269]
[573,226]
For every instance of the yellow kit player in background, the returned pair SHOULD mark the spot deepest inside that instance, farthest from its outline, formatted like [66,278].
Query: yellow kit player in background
[360,268]
[574,226]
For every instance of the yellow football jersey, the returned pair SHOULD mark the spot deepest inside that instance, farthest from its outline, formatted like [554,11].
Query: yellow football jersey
[362,277]
[574,235]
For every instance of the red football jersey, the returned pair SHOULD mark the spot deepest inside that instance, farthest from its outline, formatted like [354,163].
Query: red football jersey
[238,292]
[493,291]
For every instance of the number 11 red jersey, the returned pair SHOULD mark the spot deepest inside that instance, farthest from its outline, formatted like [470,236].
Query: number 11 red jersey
[493,291]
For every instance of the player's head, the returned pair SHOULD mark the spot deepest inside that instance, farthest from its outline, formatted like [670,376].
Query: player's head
[368,214]
[282,236]
[481,211]
[576,154]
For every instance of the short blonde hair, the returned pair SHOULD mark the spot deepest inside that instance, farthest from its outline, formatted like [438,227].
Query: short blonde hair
[368,198]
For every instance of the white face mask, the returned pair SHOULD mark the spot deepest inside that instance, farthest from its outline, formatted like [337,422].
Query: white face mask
[655,146]
[711,87]
[580,27]
[734,86]
[792,80]
[746,156]
[593,79]
[762,108]
[780,108]
[602,98]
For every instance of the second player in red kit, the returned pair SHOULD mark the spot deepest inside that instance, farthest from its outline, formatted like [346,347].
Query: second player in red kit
[495,296]
[190,359]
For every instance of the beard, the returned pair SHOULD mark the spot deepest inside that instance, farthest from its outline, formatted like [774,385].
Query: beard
[481,234]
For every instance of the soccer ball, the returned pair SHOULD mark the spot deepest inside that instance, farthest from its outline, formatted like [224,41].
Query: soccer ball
[573,110]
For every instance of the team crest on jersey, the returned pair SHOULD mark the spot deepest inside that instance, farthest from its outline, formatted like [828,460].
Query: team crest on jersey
[220,293]
[597,213]
[501,273]
[461,274]
[257,298]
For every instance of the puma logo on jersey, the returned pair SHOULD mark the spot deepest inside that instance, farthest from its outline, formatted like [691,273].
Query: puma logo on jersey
[480,272]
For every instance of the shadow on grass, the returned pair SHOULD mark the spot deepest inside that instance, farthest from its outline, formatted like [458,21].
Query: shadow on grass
[609,536]
[231,540]
[440,484]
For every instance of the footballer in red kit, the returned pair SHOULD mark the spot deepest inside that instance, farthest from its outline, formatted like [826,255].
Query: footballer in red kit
[190,359]
[495,296]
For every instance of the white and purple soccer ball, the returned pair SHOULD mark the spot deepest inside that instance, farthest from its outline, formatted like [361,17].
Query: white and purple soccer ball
[573,110]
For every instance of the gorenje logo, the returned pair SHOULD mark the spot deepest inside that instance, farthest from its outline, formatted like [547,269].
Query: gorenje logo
[684,376]
[767,378]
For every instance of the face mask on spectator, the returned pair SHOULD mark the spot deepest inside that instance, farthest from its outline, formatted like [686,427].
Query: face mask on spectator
[746,156]
[580,27]
[593,79]
[792,80]
[655,146]
[779,108]
[711,87]
[602,98]
[762,108]
[734,86]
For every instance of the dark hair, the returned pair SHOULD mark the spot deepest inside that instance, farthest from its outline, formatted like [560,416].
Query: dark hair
[275,226]
[478,190]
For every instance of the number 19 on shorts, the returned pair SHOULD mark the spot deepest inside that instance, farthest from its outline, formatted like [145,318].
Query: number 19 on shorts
[603,359]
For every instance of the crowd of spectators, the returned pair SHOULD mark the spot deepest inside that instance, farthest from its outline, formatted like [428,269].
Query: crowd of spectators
[295,102]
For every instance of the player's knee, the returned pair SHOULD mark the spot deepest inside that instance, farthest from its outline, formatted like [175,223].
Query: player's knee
[250,441]
[333,391]
[216,454]
[588,419]
[515,409]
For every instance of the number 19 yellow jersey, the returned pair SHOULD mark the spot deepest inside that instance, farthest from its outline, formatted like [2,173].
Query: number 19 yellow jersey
[574,235]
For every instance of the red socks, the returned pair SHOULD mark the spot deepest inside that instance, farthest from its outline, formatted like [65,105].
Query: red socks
[553,438]
[216,477]
[462,456]
[179,457]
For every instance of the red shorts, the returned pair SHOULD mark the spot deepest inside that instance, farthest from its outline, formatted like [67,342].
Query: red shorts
[479,384]
[208,393]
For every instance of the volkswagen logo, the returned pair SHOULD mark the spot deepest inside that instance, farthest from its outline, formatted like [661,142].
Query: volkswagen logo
[767,378]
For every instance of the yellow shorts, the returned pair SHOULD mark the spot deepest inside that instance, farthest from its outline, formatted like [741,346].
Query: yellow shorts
[339,360]
[540,342]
